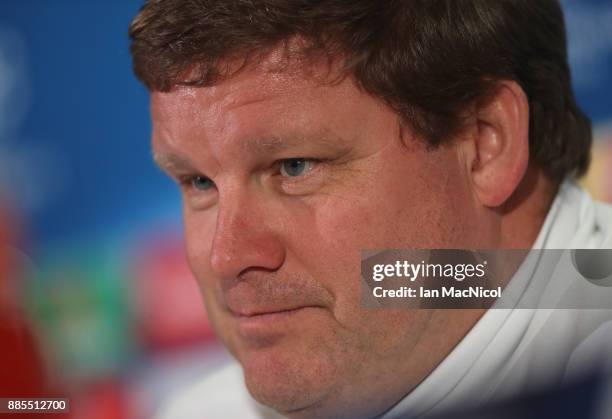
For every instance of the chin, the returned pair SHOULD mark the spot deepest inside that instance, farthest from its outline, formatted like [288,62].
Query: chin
[293,381]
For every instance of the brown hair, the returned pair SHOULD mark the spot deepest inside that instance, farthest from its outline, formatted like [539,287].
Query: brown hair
[427,59]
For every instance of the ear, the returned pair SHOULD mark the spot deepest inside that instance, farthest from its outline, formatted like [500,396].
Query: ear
[499,144]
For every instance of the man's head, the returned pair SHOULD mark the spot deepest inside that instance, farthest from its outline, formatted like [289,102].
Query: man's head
[302,132]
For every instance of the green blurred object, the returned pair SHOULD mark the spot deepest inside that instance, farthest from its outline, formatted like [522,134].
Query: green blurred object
[78,307]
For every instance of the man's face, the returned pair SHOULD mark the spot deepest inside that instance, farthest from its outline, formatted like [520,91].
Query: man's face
[285,179]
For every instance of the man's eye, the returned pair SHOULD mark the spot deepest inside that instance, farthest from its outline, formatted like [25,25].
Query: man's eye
[296,167]
[200,183]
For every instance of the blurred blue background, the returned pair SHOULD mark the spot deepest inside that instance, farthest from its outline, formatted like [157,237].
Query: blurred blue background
[85,201]
[74,124]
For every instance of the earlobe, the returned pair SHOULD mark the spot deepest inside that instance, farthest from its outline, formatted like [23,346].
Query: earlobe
[501,144]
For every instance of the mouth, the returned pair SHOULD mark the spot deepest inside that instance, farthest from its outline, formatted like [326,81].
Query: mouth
[266,322]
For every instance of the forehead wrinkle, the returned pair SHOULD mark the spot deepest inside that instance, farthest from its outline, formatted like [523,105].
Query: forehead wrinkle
[277,143]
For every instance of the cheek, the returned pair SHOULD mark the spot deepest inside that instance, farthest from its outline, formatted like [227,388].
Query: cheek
[415,212]
[384,217]
[340,230]
[332,235]
[199,231]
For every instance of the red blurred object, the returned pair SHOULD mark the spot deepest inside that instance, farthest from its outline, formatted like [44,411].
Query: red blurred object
[22,371]
[103,400]
[170,308]
[7,237]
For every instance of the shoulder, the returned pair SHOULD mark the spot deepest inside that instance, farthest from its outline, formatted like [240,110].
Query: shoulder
[603,216]
[593,353]
[221,394]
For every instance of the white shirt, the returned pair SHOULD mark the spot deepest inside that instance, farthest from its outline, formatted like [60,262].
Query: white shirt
[510,351]
[507,352]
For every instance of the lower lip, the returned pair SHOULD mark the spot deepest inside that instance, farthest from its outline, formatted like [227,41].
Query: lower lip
[266,321]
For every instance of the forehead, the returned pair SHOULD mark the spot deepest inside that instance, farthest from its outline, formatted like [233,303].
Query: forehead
[275,76]
[272,96]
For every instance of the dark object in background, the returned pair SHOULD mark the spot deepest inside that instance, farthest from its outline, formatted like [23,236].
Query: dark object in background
[595,265]
[580,399]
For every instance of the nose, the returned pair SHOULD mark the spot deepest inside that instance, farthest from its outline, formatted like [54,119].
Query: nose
[245,238]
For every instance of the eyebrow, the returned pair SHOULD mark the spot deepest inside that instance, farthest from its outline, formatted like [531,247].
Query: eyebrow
[169,161]
[265,145]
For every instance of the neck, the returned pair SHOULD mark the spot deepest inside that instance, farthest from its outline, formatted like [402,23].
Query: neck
[523,215]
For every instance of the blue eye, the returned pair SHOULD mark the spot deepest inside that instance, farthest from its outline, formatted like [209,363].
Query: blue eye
[201,183]
[295,167]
